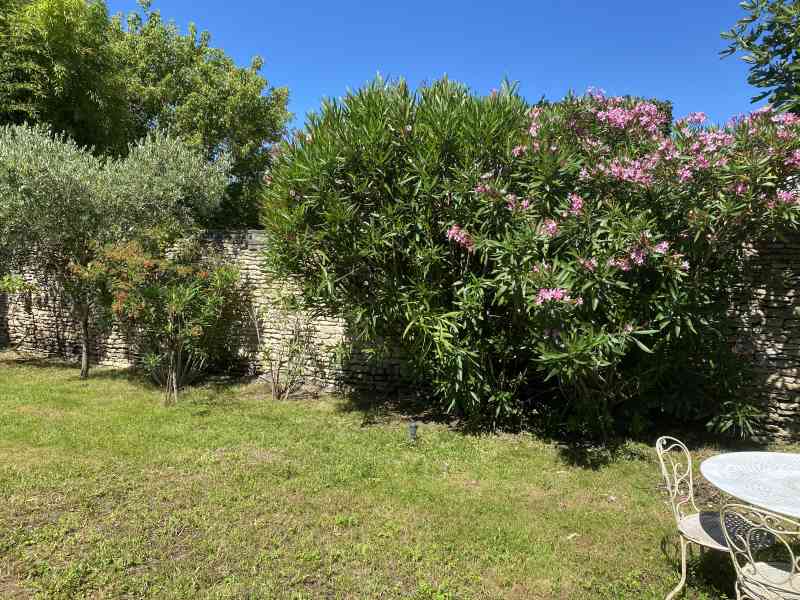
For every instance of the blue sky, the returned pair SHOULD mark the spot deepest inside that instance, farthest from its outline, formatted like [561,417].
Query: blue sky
[666,49]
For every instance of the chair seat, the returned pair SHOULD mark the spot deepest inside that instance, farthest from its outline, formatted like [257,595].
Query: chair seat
[704,528]
[770,581]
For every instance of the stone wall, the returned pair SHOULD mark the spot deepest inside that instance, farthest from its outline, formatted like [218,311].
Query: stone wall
[767,331]
[766,334]
[41,324]
[4,341]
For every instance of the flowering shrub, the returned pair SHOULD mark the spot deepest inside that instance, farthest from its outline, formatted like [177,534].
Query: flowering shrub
[184,312]
[587,243]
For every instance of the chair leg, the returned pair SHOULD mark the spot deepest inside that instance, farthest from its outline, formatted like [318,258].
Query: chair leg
[682,582]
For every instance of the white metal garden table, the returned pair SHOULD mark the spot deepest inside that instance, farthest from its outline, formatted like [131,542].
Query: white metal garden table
[769,480]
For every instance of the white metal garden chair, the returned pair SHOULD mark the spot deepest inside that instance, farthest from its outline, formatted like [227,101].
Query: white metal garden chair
[694,526]
[765,548]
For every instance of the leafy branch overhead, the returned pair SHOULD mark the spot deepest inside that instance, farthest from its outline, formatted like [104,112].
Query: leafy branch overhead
[768,38]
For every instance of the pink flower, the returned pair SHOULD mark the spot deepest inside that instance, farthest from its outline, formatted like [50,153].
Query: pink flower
[511,201]
[788,197]
[685,174]
[638,255]
[575,204]
[482,188]
[461,237]
[535,114]
[551,227]
[552,295]
[633,170]
[661,248]
[786,119]
[596,93]
[740,188]
[695,118]
[794,160]
[645,114]
[519,151]
[590,264]
[668,150]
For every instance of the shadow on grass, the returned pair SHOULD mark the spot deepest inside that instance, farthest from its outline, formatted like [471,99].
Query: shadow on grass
[382,407]
[208,391]
[709,571]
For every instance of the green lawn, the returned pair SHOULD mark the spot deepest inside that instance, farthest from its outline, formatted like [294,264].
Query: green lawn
[106,494]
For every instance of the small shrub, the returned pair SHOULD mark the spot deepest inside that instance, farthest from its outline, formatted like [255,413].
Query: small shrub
[184,311]
[289,357]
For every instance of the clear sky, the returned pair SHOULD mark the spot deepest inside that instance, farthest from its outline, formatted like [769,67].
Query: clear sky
[656,48]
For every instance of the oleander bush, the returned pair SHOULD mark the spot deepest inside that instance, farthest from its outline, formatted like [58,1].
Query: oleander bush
[185,312]
[568,259]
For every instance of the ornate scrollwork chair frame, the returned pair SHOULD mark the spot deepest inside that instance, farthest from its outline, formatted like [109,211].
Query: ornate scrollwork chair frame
[765,549]
[702,528]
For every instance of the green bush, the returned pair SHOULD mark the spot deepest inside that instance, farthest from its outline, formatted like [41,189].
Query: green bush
[60,206]
[529,258]
[184,312]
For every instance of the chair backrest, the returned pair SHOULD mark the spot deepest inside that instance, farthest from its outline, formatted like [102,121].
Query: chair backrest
[765,548]
[676,467]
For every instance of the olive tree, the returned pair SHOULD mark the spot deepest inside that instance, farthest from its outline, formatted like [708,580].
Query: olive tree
[60,206]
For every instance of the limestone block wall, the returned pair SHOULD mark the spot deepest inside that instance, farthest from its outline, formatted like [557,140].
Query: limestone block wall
[40,323]
[767,331]
[765,315]
[3,321]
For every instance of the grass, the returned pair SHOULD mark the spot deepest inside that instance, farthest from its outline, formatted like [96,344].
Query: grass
[106,494]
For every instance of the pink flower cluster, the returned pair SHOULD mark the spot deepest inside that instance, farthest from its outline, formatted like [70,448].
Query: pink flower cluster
[638,170]
[661,248]
[693,118]
[590,264]
[645,114]
[519,151]
[556,295]
[794,160]
[535,114]
[514,203]
[705,148]
[789,197]
[638,255]
[788,119]
[596,93]
[575,204]
[461,237]
[550,227]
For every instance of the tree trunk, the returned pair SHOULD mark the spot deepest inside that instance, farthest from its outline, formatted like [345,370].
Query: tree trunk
[171,384]
[85,341]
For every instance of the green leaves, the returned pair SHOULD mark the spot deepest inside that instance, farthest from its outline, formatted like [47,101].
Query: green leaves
[768,37]
[522,257]
[107,83]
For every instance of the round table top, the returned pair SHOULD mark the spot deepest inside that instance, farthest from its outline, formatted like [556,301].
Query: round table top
[769,480]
